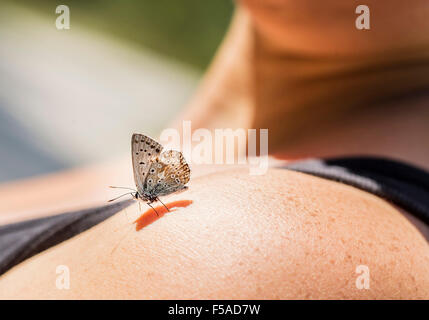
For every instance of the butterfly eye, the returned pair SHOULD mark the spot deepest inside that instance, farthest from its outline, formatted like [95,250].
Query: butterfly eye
[177,180]
[159,181]
[159,165]
[152,170]
[173,176]
[149,180]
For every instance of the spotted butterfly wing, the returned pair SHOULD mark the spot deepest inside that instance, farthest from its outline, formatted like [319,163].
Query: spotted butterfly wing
[144,150]
[168,173]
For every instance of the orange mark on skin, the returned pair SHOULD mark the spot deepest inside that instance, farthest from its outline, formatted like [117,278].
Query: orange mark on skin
[150,216]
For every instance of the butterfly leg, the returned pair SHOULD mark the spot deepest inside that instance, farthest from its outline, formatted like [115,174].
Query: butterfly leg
[163,204]
[153,208]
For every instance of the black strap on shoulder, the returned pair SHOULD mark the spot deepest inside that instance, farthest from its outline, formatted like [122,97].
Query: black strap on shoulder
[22,240]
[400,183]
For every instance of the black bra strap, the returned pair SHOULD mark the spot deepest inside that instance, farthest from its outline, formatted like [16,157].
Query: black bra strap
[22,240]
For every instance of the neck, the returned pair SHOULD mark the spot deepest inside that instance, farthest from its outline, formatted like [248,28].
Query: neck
[398,131]
[296,94]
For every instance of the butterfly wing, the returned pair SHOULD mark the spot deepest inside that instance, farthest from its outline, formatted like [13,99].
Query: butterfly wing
[143,151]
[168,174]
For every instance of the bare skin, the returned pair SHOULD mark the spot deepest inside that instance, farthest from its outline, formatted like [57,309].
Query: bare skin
[280,235]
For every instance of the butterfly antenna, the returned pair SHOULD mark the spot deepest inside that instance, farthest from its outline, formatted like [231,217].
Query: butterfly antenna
[163,204]
[113,187]
[153,209]
[119,196]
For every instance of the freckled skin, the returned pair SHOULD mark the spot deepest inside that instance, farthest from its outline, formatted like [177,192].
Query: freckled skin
[283,235]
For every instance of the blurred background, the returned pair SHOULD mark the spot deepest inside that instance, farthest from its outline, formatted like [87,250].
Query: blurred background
[73,97]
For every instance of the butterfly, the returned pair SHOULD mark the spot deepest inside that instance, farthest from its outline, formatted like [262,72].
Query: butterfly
[156,172]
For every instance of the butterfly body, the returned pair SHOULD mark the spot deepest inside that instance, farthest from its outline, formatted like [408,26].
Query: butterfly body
[152,197]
